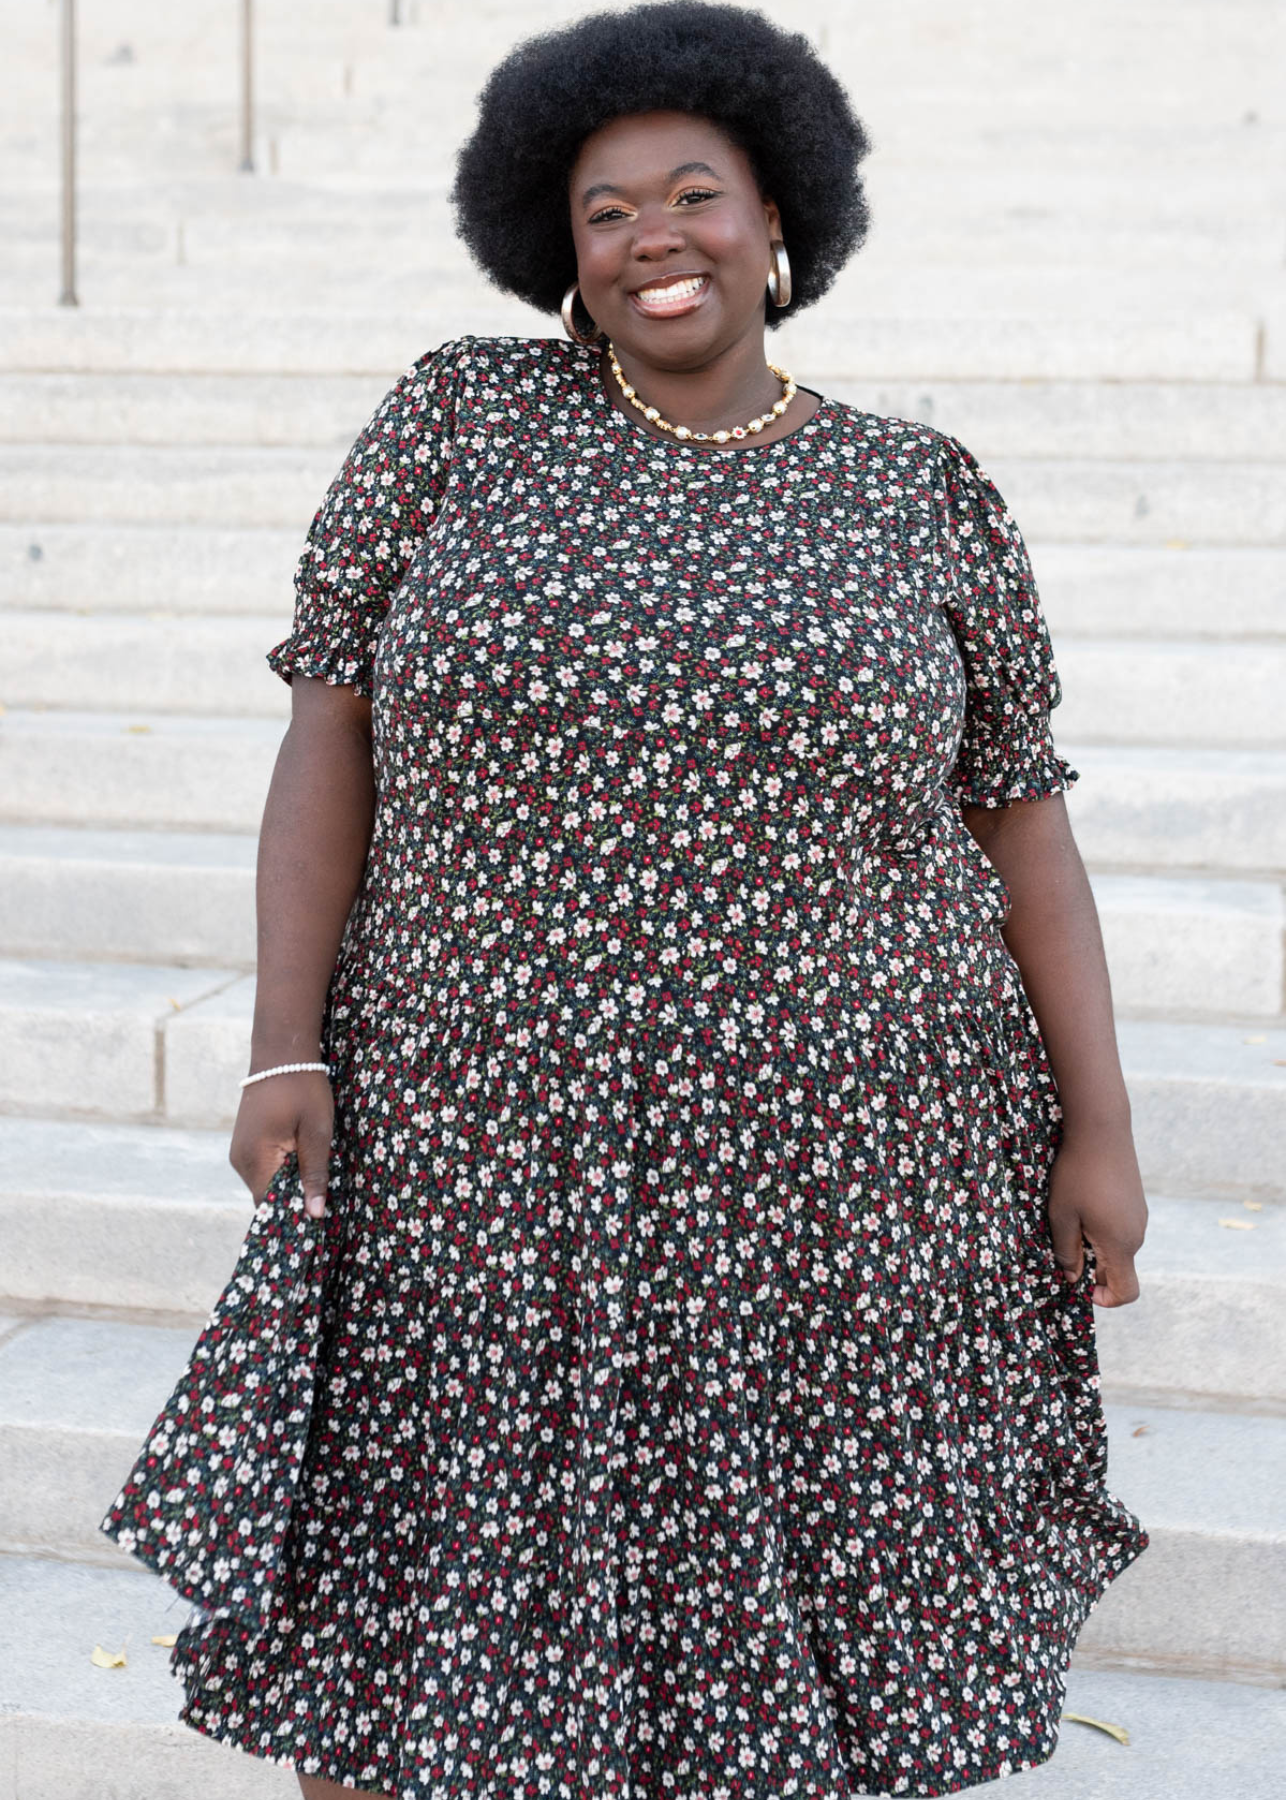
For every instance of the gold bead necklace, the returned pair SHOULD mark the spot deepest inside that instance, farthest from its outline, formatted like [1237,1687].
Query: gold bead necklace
[788,391]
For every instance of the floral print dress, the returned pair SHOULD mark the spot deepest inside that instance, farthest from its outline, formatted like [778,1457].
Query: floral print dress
[685,1400]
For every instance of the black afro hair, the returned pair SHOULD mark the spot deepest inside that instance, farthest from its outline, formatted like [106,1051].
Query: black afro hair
[765,88]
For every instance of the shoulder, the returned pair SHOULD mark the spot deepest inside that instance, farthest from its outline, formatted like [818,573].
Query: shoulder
[922,460]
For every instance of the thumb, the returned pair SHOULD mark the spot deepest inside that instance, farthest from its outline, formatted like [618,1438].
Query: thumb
[314,1161]
[1069,1245]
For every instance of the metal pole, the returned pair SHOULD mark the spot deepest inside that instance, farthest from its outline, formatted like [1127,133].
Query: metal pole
[394,12]
[247,86]
[68,295]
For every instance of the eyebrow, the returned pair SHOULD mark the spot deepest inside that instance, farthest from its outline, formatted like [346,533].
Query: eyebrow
[606,187]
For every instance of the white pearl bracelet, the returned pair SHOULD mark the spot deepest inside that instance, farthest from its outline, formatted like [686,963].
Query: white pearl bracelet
[287,1069]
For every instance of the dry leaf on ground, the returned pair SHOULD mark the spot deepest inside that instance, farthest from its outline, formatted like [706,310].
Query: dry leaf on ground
[1238,1224]
[167,1641]
[1119,1732]
[107,1659]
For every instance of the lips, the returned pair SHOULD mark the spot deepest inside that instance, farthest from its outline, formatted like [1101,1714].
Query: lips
[668,296]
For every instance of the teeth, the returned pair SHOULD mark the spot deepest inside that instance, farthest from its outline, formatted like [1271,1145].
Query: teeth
[673,290]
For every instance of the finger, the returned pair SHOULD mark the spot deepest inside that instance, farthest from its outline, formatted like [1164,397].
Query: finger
[1069,1246]
[314,1161]
[1115,1281]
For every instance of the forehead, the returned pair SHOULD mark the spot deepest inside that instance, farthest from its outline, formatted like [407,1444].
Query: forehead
[652,145]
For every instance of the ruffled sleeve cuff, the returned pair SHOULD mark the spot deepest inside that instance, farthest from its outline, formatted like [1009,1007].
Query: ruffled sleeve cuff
[331,650]
[994,772]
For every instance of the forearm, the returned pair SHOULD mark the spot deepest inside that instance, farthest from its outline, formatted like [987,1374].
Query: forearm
[1054,936]
[312,851]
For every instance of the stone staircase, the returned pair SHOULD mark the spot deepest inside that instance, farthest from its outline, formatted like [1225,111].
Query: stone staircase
[1082,279]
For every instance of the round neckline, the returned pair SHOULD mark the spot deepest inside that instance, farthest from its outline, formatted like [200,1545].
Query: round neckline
[587,361]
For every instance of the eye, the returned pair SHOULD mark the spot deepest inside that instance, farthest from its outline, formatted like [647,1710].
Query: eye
[605,213]
[698,194]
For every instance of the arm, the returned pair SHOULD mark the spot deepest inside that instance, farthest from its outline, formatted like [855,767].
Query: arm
[312,850]
[1053,934]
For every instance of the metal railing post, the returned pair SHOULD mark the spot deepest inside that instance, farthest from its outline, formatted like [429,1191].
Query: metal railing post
[394,12]
[247,86]
[68,295]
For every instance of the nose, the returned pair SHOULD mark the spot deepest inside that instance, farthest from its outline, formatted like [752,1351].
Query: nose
[656,234]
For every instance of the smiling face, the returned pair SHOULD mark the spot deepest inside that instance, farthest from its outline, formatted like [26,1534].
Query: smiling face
[672,238]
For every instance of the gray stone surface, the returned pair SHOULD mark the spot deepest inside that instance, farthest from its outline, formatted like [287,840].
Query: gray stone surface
[1179,590]
[83,1037]
[145,485]
[117,1215]
[1192,944]
[140,770]
[77,1398]
[167,896]
[1211,1318]
[127,662]
[1123,691]
[1169,808]
[206,1054]
[1208,1104]
[165,569]
[76,1732]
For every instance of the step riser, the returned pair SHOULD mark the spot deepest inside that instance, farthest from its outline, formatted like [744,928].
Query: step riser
[1060,501]
[1225,695]
[83,1250]
[1210,346]
[1214,1598]
[1193,1133]
[1217,961]
[1184,1336]
[1128,816]
[56,1758]
[1142,420]
[1216,1337]
[1087,591]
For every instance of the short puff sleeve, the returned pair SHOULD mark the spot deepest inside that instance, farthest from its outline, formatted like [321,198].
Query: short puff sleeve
[375,514]
[1007,751]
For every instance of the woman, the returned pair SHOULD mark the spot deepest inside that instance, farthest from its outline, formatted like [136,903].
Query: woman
[668,864]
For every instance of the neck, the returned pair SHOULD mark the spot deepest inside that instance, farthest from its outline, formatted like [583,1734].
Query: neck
[733,385]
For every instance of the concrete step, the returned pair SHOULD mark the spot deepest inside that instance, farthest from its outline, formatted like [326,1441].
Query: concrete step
[76,1732]
[134,1041]
[1165,808]
[1150,421]
[1169,808]
[1208,1487]
[145,1216]
[1101,591]
[1211,1319]
[1132,691]
[183,664]
[1187,944]
[93,1039]
[1208,1105]
[163,569]
[1060,499]
[1213,345]
[148,770]
[122,1216]
[1087,590]
[79,1395]
[1114,691]
[158,896]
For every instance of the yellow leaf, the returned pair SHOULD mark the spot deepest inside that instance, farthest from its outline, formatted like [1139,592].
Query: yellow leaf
[1237,1224]
[1119,1732]
[107,1659]
[1176,543]
[137,730]
[1141,1431]
[1260,1037]
[1253,1205]
[166,1641]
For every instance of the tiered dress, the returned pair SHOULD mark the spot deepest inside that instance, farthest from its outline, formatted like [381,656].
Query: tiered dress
[693,1405]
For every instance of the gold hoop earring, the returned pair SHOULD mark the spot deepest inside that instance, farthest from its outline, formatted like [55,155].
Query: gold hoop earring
[779,282]
[569,319]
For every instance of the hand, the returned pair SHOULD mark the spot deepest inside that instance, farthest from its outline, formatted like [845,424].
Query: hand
[285,1113]
[1096,1197]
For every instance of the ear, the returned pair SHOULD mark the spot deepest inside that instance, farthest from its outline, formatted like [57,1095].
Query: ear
[773,219]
